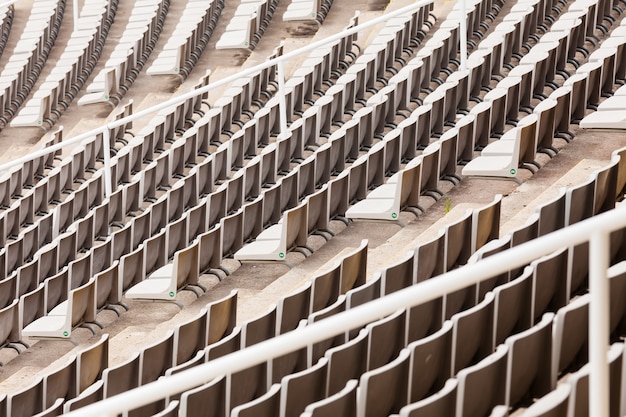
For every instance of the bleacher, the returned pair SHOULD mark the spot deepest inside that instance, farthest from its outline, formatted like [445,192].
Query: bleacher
[387,127]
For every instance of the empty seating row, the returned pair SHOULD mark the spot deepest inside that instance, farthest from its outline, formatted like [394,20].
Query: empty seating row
[89,377]
[130,54]
[6,21]
[248,24]
[73,67]
[188,41]
[609,112]
[29,55]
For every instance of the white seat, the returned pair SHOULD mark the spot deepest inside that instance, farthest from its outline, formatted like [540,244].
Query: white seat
[505,165]
[605,119]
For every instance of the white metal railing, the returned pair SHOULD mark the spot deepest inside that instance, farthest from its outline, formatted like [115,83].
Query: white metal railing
[278,61]
[595,230]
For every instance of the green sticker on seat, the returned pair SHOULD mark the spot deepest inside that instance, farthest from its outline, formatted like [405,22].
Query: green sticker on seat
[172,294]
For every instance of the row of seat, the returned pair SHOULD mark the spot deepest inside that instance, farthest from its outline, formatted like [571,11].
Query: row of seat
[73,67]
[247,26]
[6,21]
[609,112]
[130,54]
[188,41]
[29,55]
[89,377]
[187,343]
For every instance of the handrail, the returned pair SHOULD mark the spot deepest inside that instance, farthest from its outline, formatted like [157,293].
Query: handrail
[595,230]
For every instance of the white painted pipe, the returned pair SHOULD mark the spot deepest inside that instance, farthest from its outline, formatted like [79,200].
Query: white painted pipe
[75,12]
[599,324]
[281,97]
[463,36]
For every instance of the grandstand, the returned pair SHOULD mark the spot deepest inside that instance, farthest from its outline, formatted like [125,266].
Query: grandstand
[382,247]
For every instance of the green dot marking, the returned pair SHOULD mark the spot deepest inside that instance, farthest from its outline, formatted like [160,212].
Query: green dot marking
[281,255]
[394,215]
[172,294]
[512,171]
[65,334]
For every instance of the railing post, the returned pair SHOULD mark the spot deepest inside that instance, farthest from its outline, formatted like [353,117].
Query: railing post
[106,144]
[599,323]
[281,96]
[463,36]
[75,13]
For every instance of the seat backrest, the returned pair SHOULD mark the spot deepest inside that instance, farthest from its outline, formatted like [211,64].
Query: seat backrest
[383,391]
[571,328]
[132,269]
[354,268]
[552,214]
[210,250]
[486,223]
[186,265]
[430,363]
[190,337]
[343,403]
[122,377]
[400,274]
[386,339]
[430,258]
[155,253]
[409,187]
[458,242]
[579,201]
[606,184]
[482,386]
[91,362]
[529,367]
[303,388]
[293,308]
[27,402]
[527,139]
[554,404]
[108,287]
[549,283]
[346,362]
[442,403]
[579,399]
[61,383]
[222,316]
[267,405]
[513,306]
[472,334]
[156,359]
[325,288]
[206,400]
[9,323]
[295,229]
